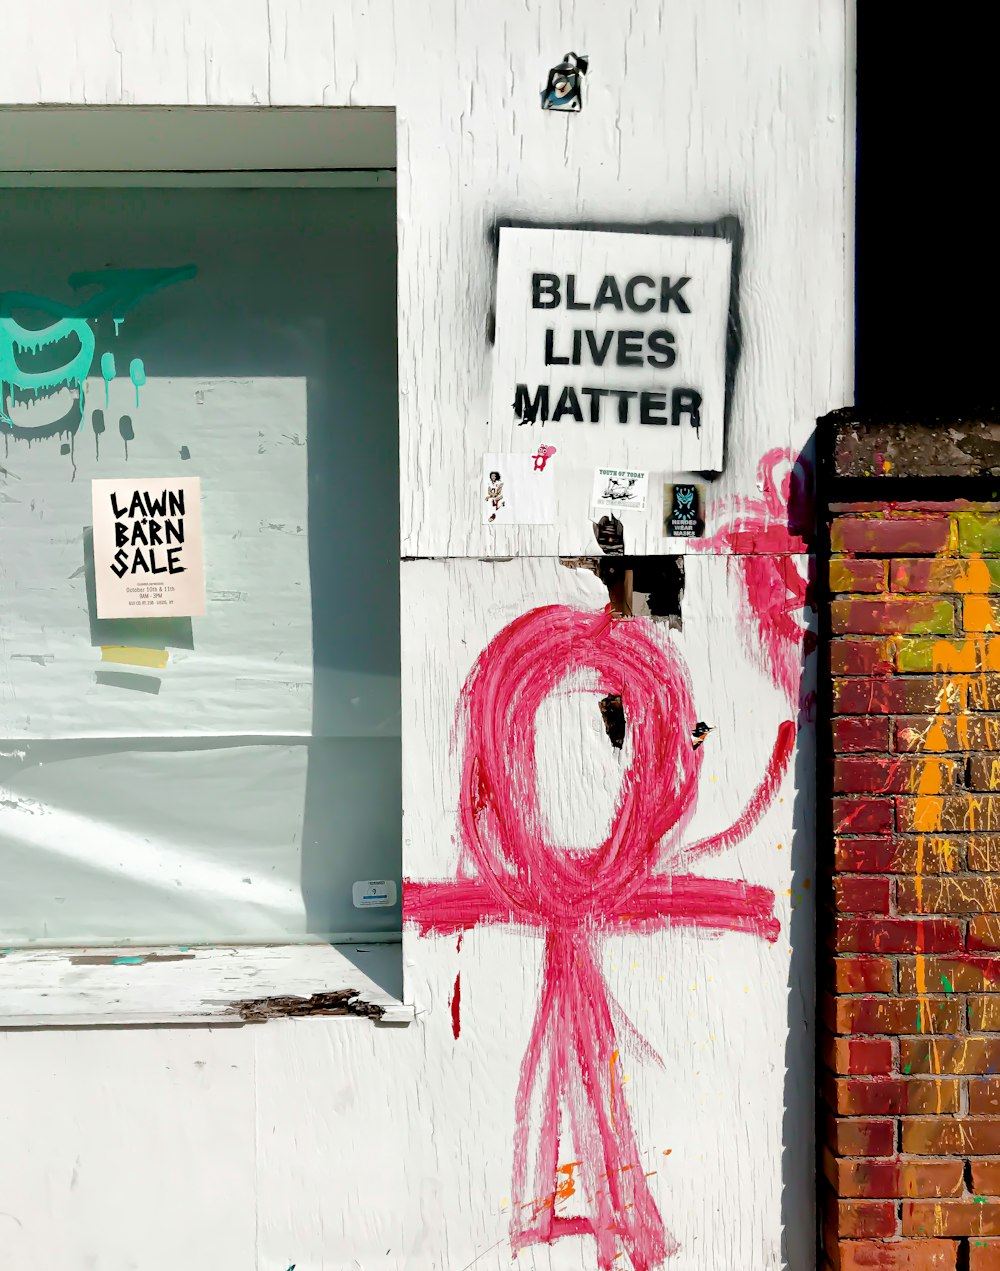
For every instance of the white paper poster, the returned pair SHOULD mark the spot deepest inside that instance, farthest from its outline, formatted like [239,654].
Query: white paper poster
[620,488]
[148,547]
[519,489]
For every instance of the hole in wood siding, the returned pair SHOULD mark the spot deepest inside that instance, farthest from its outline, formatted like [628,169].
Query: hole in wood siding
[613,714]
[639,586]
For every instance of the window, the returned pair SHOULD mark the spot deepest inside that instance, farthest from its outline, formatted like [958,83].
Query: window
[226,779]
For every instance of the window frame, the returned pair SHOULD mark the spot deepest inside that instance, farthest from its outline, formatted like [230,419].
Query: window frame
[125,984]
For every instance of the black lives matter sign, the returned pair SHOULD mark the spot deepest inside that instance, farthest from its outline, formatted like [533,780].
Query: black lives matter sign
[600,332]
[148,559]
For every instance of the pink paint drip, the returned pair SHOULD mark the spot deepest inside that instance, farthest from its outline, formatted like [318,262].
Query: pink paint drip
[455,1005]
[573,897]
[764,536]
[455,1001]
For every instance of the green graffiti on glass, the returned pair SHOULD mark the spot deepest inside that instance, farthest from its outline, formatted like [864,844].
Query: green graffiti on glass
[118,290]
[137,374]
[108,371]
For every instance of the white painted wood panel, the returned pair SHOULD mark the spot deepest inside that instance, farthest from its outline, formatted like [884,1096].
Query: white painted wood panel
[729,1014]
[127,1150]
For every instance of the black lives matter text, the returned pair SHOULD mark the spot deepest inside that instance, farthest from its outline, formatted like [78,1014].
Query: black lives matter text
[599,346]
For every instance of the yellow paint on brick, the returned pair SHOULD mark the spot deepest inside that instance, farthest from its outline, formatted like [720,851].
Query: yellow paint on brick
[132,656]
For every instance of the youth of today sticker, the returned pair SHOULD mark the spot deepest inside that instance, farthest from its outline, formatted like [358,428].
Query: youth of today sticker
[619,488]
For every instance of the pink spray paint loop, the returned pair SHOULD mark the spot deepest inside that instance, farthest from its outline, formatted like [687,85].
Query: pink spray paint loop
[499,816]
[767,537]
[573,896]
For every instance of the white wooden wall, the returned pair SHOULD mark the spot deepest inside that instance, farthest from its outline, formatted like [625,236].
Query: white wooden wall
[334,1144]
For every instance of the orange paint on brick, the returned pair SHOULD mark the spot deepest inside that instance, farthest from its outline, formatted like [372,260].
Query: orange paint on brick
[975,576]
[942,849]
[979,613]
[927,819]
[930,800]
[967,657]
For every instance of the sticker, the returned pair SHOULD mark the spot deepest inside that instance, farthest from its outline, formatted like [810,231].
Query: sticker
[620,488]
[519,489]
[147,547]
[683,511]
[376,893]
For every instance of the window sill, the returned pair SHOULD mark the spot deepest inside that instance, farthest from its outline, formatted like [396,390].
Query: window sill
[225,985]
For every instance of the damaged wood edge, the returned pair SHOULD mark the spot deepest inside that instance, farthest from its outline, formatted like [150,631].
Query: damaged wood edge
[115,988]
[657,582]
[258,1010]
[613,573]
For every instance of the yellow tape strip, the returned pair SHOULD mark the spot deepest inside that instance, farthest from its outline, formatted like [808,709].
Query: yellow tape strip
[133,656]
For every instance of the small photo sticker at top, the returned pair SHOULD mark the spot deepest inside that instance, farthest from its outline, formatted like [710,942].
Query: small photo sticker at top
[620,488]
[564,87]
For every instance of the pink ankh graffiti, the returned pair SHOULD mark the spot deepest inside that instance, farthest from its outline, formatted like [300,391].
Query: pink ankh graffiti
[509,874]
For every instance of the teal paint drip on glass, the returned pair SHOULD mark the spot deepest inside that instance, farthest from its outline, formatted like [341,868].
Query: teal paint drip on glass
[14,339]
[117,291]
[108,371]
[137,374]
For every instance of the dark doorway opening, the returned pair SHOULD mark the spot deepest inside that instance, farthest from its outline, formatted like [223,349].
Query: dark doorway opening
[927,270]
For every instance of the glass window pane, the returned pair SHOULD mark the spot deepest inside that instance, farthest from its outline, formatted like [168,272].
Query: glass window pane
[230,776]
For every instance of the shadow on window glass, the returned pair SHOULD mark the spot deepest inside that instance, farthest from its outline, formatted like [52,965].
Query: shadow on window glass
[225,778]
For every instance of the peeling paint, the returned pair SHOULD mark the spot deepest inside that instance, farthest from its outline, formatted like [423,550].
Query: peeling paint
[340,1002]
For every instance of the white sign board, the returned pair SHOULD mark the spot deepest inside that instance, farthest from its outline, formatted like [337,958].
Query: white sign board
[611,344]
[147,547]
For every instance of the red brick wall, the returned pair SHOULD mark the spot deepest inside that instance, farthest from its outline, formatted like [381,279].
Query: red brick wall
[910,1006]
